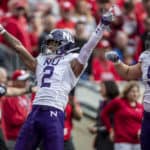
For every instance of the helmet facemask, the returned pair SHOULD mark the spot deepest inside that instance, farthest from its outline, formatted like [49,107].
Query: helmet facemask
[51,46]
[59,42]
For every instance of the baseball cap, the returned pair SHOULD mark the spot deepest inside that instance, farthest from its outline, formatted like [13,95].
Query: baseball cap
[66,6]
[20,75]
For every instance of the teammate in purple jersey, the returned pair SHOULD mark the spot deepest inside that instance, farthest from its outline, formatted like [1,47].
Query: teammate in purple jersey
[57,71]
[138,71]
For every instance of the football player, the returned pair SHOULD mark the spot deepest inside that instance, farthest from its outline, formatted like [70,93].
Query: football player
[57,71]
[137,71]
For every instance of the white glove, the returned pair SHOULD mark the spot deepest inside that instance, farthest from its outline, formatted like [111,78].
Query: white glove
[109,16]
[2,30]
[112,56]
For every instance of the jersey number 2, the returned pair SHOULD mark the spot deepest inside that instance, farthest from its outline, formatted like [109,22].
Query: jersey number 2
[48,72]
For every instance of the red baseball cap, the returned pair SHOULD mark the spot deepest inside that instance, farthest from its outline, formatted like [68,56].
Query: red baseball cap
[66,6]
[103,44]
[20,75]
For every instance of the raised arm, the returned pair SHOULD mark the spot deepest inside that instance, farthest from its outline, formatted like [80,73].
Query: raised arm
[127,72]
[79,63]
[17,46]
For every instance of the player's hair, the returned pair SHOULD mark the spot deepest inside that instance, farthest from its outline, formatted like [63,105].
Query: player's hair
[112,89]
[128,88]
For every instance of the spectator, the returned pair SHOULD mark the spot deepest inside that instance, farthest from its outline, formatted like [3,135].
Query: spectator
[92,3]
[81,34]
[17,24]
[109,90]
[83,11]
[130,27]
[146,36]
[72,111]
[17,107]
[127,118]
[48,25]
[35,31]
[81,37]
[66,17]
[121,43]
[3,81]
[130,22]
[101,68]
[45,7]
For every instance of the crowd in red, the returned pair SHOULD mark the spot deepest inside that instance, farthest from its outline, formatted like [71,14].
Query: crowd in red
[31,20]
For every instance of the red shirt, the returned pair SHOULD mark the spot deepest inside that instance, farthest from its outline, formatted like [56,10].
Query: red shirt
[4,5]
[127,120]
[34,38]
[14,114]
[65,24]
[141,15]
[103,70]
[18,28]
[68,122]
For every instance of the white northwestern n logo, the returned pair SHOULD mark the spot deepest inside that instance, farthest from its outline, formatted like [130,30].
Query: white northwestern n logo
[67,36]
[53,113]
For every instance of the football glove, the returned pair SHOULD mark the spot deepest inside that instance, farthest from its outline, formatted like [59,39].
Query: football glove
[108,17]
[112,56]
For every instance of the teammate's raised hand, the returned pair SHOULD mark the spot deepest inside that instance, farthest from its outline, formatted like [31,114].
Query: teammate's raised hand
[112,56]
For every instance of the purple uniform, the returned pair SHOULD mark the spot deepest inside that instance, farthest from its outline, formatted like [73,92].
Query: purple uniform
[43,123]
[46,121]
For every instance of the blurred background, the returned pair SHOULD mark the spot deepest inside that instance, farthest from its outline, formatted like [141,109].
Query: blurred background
[31,20]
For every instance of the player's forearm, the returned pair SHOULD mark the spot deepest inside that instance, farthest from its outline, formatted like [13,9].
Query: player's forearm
[88,48]
[78,64]
[123,70]
[17,46]
[11,91]
[12,41]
